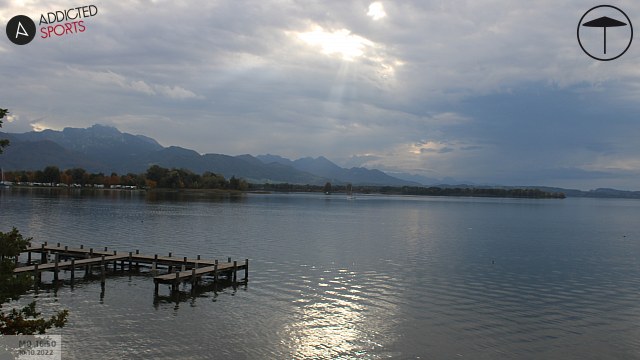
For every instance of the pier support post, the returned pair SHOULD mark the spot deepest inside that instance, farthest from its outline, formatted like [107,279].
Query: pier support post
[137,263]
[73,270]
[184,264]
[130,259]
[28,257]
[155,290]
[154,266]
[36,274]
[215,272]
[235,271]
[55,268]
[102,270]
[43,255]
[246,270]
[174,285]
[193,279]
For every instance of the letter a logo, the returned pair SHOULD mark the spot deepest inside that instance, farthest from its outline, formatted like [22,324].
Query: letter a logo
[21,30]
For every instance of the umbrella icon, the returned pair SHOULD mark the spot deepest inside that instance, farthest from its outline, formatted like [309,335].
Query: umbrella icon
[604,22]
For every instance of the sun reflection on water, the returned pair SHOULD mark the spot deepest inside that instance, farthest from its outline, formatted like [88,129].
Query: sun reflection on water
[334,320]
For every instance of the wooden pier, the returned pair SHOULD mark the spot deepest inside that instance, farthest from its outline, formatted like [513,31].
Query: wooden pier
[179,269]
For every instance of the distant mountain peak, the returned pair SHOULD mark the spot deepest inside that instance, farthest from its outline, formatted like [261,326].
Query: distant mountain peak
[104,127]
[323,167]
[269,158]
[96,128]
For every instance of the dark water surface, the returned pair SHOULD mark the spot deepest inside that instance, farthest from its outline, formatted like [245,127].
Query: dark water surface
[375,277]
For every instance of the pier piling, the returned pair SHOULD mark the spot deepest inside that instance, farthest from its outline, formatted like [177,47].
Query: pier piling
[246,270]
[56,268]
[73,269]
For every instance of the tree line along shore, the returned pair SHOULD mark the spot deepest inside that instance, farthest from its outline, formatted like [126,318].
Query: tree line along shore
[157,177]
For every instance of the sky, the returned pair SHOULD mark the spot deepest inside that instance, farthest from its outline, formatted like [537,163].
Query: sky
[490,92]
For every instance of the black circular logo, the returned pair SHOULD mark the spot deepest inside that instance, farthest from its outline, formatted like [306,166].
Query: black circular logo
[21,30]
[592,32]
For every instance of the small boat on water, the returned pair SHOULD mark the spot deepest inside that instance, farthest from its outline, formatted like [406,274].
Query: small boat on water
[350,195]
[3,183]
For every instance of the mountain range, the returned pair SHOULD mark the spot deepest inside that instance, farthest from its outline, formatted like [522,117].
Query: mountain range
[106,149]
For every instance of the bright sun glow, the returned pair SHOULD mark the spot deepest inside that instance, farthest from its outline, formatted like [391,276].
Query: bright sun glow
[424,147]
[340,42]
[40,126]
[376,11]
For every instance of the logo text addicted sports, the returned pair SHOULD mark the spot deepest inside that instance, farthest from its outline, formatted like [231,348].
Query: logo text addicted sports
[21,29]
[65,22]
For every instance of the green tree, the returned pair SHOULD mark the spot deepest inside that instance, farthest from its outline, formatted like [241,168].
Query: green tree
[51,175]
[171,180]
[212,181]
[12,244]
[3,142]
[12,286]
[327,188]
[156,173]
[79,176]
[234,183]
[27,320]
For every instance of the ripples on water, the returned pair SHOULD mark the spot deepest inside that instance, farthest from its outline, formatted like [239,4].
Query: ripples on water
[377,277]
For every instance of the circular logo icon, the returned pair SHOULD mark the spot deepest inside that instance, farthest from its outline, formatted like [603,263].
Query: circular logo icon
[605,32]
[21,30]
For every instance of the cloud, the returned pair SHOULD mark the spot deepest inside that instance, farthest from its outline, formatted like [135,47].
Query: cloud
[175,92]
[110,78]
[487,96]
[376,11]
[341,42]
[42,125]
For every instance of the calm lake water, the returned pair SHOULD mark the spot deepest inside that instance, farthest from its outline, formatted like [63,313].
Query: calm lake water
[375,277]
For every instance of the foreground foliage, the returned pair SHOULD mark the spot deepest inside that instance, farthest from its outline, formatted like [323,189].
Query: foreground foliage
[28,321]
[25,321]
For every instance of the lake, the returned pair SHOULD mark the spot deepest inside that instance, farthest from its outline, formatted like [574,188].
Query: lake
[375,277]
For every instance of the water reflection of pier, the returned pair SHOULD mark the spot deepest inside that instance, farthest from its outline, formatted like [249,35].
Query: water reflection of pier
[175,270]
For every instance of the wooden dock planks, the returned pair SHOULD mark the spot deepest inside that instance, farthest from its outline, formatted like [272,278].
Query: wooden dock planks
[136,257]
[199,272]
[68,264]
